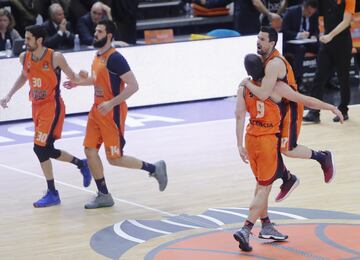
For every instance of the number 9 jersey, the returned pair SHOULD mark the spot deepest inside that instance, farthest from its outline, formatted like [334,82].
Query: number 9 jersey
[265,116]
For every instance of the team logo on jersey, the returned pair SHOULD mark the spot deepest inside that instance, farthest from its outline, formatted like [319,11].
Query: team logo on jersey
[38,94]
[99,92]
[46,66]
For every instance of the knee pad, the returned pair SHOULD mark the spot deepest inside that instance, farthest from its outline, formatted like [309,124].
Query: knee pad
[53,153]
[41,153]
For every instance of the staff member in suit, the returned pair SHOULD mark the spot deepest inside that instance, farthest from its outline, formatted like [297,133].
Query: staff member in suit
[60,35]
[335,52]
[300,22]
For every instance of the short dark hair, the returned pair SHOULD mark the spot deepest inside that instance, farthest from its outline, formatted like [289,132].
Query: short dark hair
[254,66]
[311,3]
[273,35]
[38,31]
[110,26]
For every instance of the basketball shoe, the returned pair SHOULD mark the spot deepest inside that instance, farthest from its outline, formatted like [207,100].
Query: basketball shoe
[243,236]
[287,187]
[49,199]
[268,231]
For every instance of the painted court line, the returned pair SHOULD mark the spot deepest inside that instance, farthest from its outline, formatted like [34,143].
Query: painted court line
[137,224]
[229,212]
[118,231]
[277,213]
[178,224]
[211,219]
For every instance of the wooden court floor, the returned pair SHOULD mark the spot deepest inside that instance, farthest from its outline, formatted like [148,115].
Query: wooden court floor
[204,171]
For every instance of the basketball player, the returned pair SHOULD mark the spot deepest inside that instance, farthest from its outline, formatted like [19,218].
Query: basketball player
[114,82]
[277,68]
[262,146]
[42,68]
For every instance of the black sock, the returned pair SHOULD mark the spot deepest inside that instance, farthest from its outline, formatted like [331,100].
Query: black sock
[148,167]
[318,156]
[51,186]
[265,221]
[248,224]
[286,175]
[79,163]
[101,185]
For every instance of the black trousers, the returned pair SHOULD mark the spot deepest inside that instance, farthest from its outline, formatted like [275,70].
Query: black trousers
[334,55]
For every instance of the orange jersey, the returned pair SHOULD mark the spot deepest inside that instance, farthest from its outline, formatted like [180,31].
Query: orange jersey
[43,78]
[293,112]
[105,89]
[265,116]
[289,77]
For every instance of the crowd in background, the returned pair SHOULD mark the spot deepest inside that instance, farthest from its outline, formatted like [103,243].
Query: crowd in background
[64,18]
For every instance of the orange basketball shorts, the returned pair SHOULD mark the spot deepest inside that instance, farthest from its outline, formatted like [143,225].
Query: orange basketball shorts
[108,129]
[265,158]
[291,126]
[48,118]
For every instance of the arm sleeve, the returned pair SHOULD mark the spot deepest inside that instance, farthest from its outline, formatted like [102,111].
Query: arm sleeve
[117,64]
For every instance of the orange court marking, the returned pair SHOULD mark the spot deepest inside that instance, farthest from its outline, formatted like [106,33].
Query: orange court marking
[306,241]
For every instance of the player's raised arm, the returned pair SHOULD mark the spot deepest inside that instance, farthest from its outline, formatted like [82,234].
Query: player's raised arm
[283,90]
[268,82]
[74,79]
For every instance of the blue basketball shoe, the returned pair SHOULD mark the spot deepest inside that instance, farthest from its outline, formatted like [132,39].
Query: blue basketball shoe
[49,199]
[85,171]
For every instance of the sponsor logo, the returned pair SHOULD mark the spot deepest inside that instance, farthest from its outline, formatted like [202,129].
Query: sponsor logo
[261,124]
[99,91]
[46,66]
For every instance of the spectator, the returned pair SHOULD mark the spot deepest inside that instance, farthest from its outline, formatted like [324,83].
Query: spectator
[87,23]
[7,30]
[300,22]
[124,14]
[58,29]
[24,14]
[247,16]
[79,8]
[274,6]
